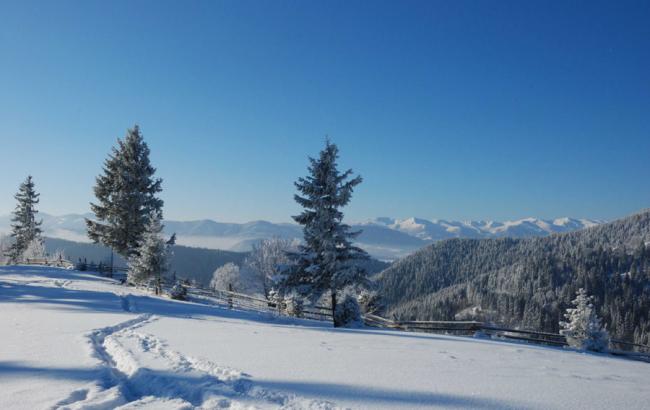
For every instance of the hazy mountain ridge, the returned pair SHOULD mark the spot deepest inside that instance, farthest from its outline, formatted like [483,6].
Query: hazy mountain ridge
[188,263]
[383,238]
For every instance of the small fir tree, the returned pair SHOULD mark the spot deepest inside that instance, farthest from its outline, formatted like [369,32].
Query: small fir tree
[583,329]
[325,263]
[149,263]
[294,305]
[348,312]
[25,229]
[126,196]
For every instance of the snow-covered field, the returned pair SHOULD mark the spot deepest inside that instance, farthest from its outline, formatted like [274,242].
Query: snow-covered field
[73,340]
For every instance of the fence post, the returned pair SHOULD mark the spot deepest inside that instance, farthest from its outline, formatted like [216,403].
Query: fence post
[111,262]
[230,296]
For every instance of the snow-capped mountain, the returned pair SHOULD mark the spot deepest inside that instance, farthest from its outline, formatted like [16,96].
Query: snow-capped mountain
[439,229]
[384,238]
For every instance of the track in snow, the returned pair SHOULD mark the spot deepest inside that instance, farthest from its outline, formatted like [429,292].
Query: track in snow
[139,370]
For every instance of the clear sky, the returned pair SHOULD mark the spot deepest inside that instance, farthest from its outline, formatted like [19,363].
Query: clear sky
[448,109]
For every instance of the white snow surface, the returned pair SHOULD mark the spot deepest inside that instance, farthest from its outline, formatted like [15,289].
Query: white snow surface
[71,340]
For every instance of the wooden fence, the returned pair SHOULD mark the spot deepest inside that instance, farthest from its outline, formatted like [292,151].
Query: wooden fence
[234,300]
[617,347]
[59,263]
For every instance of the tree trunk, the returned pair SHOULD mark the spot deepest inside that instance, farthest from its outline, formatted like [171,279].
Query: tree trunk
[334,320]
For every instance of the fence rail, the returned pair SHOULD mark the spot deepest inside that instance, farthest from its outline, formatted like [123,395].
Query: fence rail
[60,263]
[617,347]
[234,300]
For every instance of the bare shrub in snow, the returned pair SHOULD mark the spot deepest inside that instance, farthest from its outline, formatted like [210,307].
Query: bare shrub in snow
[35,249]
[268,259]
[57,255]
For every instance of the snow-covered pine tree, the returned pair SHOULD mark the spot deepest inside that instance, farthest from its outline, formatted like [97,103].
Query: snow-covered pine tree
[583,329]
[24,228]
[126,196]
[348,312]
[149,262]
[325,263]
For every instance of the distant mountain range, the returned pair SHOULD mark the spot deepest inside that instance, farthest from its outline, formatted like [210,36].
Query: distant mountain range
[384,238]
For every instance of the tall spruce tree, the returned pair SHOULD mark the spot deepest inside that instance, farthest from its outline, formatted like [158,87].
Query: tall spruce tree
[326,261]
[24,228]
[150,263]
[126,196]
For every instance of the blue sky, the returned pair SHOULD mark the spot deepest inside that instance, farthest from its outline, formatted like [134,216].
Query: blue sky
[456,110]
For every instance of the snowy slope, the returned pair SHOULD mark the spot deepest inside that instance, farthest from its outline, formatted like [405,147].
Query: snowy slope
[71,340]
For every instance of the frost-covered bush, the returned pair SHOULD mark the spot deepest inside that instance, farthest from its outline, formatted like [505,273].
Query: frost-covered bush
[35,249]
[274,296]
[476,313]
[5,246]
[294,305]
[347,311]
[583,329]
[241,280]
[370,301]
[178,292]
[58,255]
[269,259]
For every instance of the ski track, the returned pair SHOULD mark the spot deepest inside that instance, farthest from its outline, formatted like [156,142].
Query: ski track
[138,370]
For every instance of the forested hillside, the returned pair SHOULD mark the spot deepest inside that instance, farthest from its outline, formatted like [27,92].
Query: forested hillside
[529,282]
[190,263]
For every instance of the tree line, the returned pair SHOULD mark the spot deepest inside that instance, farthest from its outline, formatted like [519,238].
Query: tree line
[522,282]
[128,215]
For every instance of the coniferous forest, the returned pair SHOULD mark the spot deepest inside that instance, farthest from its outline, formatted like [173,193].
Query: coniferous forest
[529,282]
